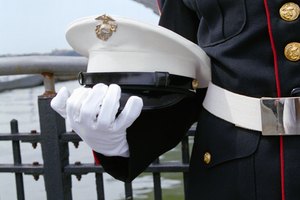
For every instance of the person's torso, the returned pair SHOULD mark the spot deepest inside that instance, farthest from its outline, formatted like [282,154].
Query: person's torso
[235,34]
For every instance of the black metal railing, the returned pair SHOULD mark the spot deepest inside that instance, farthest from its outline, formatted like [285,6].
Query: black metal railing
[56,168]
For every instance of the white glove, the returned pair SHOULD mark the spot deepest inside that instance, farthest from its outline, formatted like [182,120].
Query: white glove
[92,115]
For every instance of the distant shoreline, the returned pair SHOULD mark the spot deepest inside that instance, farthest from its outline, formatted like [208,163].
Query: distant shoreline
[55,52]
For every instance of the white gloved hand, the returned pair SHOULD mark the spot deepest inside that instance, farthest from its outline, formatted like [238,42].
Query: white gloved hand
[92,115]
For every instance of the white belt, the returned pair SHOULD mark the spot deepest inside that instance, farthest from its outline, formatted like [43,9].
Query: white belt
[272,116]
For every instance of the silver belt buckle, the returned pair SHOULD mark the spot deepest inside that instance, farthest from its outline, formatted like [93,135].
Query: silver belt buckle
[280,116]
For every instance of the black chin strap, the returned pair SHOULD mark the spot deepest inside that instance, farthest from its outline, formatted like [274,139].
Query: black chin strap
[154,81]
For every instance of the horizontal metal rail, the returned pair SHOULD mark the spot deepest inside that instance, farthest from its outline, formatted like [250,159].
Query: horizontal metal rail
[24,137]
[23,168]
[56,65]
[48,66]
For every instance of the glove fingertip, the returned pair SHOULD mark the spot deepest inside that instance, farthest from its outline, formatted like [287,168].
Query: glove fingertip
[137,102]
[131,112]
[101,86]
[58,103]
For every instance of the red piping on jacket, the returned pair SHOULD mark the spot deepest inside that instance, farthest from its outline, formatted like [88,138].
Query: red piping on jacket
[278,95]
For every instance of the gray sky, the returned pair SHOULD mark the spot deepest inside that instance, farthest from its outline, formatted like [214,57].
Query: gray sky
[28,26]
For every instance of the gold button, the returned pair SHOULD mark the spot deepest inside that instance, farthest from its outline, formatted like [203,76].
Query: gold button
[289,11]
[207,158]
[292,51]
[195,84]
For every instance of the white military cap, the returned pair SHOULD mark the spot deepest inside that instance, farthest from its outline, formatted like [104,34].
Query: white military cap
[117,44]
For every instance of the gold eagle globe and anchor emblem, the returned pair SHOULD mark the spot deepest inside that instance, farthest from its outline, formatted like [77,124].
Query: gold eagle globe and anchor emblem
[106,28]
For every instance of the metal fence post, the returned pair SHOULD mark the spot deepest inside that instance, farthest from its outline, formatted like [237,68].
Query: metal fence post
[55,153]
[128,191]
[157,182]
[100,186]
[17,160]
[185,153]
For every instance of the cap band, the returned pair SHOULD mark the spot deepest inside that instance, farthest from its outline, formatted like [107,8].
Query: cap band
[139,80]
